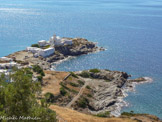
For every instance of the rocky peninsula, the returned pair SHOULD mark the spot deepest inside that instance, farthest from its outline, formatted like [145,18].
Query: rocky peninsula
[99,90]
[92,92]
[79,46]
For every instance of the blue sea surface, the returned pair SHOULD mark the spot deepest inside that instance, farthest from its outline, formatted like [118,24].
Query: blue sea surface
[130,30]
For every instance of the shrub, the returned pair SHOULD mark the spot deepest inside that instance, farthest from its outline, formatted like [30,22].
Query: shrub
[105,114]
[63,91]
[107,80]
[42,73]
[28,71]
[74,84]
[19,98]
[49,97]
[88,87]
[94,70]
[85,74]
[38,69]
[89,95]
[46,47]
[40,79]
[70,78]
[82,102]
[80,82]
[131,113]
[74,91]
[35,45]
[64,85]
[73,74]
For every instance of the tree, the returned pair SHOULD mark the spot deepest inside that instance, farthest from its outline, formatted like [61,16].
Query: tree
[18,98]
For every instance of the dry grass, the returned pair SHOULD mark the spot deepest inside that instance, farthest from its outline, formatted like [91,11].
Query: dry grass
[74,116]
[21,55]
[52,81]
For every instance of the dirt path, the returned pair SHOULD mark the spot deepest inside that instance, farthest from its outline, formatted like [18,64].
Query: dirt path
[79,94]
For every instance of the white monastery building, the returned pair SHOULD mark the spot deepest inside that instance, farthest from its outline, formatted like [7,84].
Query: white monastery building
[46,52]
[57,41]
[53,41]
[42,43]
[41,52]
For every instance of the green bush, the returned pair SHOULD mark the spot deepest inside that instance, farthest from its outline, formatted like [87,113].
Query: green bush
[85,74]
[42,73]
[94,70]
[40,79]
[104,114]
[49,97]
[107,80]
[82,102]
[74,84]
[89,95]
[63,92]
[19,98]
[35,45]
[38,69]
[64,85]
[88,87]
[80,82]
[74,91]
[46,47]
[73,74]
[131,113]
[70,78]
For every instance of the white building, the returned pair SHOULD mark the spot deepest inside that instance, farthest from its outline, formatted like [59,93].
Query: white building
[67,41]
[57,41]
[3,71]
[46,52]
[33,49]
[41,52]
[42,43]
[8,65]
[6,59]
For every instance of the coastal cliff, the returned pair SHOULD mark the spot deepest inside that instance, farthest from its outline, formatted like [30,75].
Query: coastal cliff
[99,90]
[93,92]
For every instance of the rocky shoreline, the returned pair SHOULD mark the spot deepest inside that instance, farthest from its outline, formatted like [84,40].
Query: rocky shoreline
[96,91]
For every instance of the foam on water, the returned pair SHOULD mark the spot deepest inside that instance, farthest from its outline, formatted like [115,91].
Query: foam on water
[121,102]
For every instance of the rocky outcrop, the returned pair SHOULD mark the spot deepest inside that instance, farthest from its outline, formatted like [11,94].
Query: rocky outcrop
[106,89]
[138,80]
[80,46]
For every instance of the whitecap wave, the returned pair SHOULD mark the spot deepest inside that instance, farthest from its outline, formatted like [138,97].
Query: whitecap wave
[128,87]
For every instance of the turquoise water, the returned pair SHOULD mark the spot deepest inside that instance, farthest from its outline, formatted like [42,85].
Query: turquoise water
[130,30]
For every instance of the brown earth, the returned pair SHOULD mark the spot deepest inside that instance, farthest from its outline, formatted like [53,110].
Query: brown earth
[52,81]
[69,115]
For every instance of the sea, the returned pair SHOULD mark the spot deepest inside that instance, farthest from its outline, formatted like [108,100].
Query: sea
[130,30]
